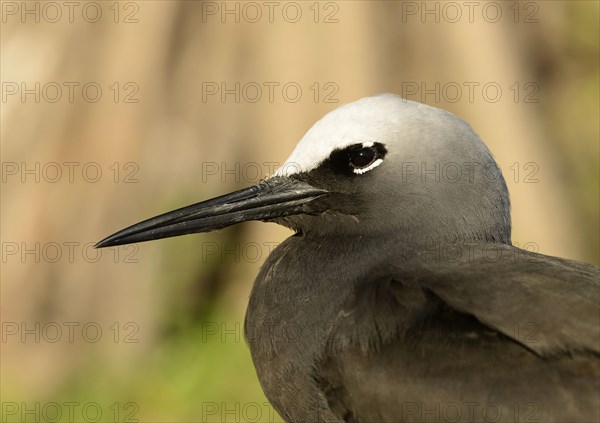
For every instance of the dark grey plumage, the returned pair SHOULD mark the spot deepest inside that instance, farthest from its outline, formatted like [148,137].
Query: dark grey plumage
[392,338]
[400,297]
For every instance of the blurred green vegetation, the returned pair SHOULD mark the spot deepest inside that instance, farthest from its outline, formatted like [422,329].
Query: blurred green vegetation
[200,372]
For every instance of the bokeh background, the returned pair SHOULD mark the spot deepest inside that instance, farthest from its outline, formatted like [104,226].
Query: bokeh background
[113,112]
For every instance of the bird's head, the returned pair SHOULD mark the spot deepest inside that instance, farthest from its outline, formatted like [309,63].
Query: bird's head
[381,165]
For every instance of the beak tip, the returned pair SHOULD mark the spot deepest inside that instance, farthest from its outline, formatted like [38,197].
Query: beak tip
[106,242]
[100,244]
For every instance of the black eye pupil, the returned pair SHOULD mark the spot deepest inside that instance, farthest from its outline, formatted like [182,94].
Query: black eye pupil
[363,157]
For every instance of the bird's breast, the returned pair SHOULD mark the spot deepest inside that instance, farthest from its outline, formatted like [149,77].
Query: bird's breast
[293,303]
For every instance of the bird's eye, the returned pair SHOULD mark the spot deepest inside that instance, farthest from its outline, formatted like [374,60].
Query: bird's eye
[363,157]
[357,159]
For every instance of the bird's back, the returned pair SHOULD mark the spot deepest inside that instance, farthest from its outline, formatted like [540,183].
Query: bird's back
[500,335]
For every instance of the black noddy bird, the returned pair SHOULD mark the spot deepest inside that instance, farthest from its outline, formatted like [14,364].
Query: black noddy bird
[400,297]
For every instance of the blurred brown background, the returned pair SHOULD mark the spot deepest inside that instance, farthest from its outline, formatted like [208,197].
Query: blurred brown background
[114,112]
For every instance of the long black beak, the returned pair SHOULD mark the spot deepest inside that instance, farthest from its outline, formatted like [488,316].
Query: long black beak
[270,199]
